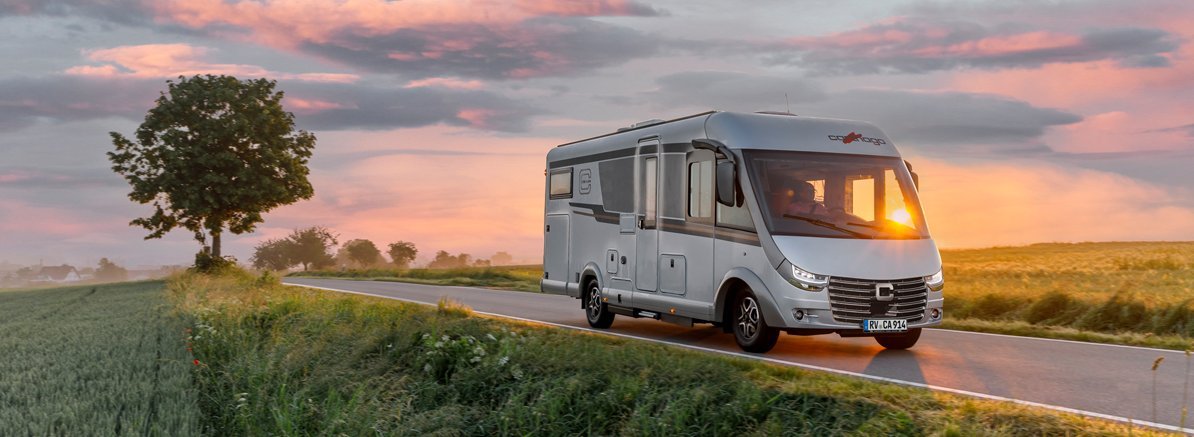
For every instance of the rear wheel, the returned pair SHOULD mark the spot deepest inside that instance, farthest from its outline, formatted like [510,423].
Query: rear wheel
[899,341]
[596,311]
[750,330]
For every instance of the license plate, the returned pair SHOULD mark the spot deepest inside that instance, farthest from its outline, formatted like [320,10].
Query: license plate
[885,325]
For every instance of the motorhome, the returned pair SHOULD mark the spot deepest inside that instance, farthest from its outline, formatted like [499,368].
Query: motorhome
[758,223]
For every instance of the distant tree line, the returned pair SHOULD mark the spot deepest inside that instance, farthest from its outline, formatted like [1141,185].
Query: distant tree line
[314,248]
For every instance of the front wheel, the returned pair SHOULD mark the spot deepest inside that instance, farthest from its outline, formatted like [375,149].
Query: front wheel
[750,330]
[899,341]
[596,311]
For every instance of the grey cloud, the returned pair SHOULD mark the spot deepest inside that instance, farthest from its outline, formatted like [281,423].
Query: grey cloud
[927,46]
[1188,129]
[732,91]
[63,98]
[538,47]
[24,101]
[117,11]
[946,119]
[366,107]
[57,178]
[942,120]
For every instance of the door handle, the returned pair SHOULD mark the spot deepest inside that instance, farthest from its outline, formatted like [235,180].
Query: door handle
[642,223]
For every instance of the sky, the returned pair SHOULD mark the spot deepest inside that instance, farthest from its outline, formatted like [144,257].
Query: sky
[1041,121]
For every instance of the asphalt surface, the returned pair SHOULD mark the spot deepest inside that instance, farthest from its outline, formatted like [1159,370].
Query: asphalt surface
[1100,380]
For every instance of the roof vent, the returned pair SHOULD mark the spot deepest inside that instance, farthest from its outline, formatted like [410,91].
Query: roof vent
[776,113]
[646,123]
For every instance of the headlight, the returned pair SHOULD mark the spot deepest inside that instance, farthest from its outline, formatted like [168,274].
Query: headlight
[802,279]
[935,281]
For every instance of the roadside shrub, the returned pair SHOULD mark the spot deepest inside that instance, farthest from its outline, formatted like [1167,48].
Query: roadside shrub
[1055,308]
[1119,313]
[992,306]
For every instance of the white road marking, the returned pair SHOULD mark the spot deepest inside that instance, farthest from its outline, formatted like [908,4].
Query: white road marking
[812,367]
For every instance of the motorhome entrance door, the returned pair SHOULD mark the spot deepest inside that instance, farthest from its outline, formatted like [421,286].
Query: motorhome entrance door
[646,258]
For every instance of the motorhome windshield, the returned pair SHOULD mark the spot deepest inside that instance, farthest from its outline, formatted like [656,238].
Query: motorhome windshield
[835,195]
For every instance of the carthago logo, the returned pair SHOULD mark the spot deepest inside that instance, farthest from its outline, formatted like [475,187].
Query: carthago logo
[852,137]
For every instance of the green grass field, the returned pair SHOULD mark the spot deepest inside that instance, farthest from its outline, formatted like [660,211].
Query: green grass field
[95,360]
[1127,293]
[295,361]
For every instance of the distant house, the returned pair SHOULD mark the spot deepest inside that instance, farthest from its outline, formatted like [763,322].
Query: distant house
[57,274]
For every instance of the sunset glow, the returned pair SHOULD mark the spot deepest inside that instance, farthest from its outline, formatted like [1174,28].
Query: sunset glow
[900,216]
[1067,121]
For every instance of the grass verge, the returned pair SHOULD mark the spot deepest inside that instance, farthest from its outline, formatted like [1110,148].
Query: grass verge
[518,278]
[94,360]
[289,360]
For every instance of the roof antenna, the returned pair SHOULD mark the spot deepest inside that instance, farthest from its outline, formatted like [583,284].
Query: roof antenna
[788,102]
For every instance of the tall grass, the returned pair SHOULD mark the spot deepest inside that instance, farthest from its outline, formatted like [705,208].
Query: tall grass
[288,360]
[94,360]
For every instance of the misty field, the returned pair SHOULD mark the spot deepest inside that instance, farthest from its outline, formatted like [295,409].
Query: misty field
[282,360]
[94,360]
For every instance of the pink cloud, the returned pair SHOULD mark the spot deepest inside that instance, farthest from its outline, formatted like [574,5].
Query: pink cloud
[446,82]
[311,106]
[171,60]
[286,24]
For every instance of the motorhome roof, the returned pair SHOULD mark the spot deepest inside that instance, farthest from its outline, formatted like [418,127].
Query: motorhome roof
[637,126]
[778,131]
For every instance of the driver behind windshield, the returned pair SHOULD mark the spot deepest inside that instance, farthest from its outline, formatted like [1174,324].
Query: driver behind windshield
[804,202]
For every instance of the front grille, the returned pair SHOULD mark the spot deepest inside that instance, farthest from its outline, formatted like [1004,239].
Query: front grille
[853,300]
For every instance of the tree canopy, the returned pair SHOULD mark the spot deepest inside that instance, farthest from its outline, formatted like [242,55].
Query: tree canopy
[273,254]
[403,253]
[311,247]
[363,253]
[215,153]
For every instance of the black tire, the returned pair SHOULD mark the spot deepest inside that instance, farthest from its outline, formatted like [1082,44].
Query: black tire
[750,330]
[899,341]
[596,310]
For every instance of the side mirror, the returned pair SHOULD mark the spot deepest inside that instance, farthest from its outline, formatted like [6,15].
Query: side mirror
[727,193]
[915,177]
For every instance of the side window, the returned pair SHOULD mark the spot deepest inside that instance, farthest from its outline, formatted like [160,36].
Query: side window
[560,184]
[860,197]
[650,191]
[737,217]
[700,191]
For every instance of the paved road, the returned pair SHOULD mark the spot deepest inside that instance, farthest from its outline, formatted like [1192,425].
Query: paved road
[1096,379]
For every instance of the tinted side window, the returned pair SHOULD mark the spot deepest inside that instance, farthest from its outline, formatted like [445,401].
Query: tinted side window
[560,184]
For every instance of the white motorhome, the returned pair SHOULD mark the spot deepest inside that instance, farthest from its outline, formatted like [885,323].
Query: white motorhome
[757,223]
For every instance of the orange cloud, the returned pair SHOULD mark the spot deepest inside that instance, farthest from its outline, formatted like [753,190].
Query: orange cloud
[171,60]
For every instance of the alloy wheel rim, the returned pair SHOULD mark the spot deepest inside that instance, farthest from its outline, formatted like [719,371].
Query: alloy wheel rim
[594,303]
[748,318]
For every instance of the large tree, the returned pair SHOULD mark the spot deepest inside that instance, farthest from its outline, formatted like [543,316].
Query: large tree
[214,154]
[311,247]
[273,254]
[403,253]
[363,252]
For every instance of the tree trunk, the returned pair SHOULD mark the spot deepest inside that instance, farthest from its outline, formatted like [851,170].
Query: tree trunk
[215,244]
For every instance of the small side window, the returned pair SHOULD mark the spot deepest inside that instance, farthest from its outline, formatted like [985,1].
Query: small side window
[560,184]
[700,190]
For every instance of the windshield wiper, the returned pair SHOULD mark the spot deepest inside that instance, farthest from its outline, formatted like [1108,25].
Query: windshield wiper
[903,230]
[829,225]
